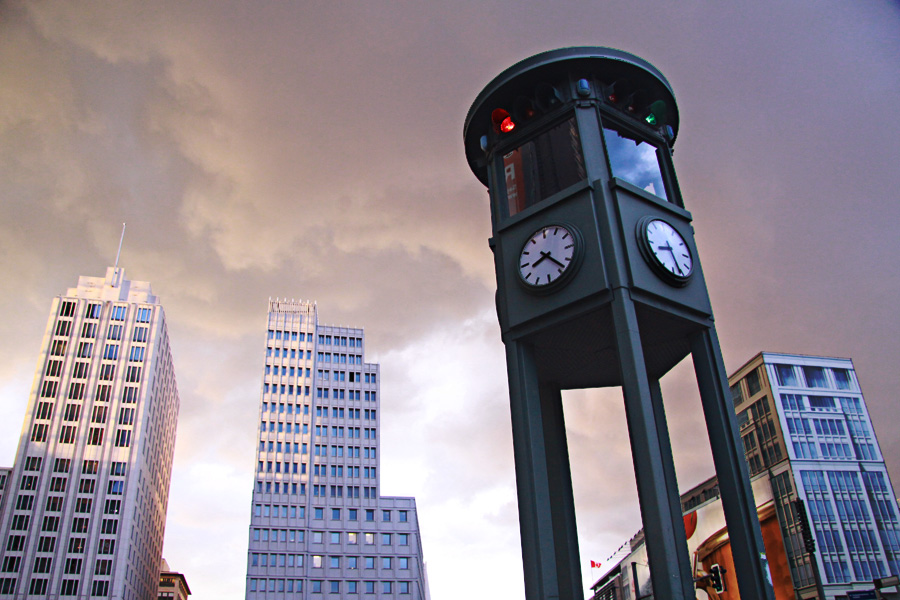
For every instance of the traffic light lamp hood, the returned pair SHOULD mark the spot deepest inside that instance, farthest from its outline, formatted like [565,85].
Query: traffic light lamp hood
[531,88]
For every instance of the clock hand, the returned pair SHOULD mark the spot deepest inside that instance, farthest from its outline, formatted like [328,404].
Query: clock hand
[554,260]
[543,256]
[675,259]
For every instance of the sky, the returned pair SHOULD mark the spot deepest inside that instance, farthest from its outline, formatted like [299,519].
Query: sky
[313,150]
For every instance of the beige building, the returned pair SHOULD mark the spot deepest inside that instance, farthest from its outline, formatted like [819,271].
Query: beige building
[172,585]
[84,509]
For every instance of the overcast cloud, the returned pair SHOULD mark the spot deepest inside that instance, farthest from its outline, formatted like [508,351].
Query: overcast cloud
[313,150]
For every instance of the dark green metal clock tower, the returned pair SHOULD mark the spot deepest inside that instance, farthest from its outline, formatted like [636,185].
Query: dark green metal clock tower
[599,284]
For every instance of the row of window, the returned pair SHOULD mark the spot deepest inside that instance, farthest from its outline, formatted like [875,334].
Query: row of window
[334,562]
[318,490]
[288,353]
[69,433]
[331,587]
[68,587]
[352,432]
[318,537]
[276,510]
[320,470]
[48,543]
[92,311]
[341,341]
[813,377]
[107,372]
[325,393]
[798,403]
[318,449]
[76,392]
[300,336]
[343,359]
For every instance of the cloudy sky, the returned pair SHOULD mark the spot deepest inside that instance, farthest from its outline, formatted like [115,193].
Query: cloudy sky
[313,149]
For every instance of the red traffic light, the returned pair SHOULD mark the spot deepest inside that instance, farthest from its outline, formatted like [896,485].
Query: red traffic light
[501,121]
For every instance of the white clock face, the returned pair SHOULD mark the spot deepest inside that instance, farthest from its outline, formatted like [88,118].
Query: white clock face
[547,255]
[669,248]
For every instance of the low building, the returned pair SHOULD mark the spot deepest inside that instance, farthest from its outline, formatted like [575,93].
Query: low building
[172,585]
[826,503]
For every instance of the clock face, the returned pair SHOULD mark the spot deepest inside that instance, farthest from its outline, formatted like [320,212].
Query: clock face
[549,254]
[668,252]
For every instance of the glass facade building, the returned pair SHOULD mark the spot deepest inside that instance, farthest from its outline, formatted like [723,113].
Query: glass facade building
[319,527]
[804,420]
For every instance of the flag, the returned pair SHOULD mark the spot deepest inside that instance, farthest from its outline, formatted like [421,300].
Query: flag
[595,565]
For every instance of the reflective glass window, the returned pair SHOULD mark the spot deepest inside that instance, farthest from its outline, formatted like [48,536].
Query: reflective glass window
[543,166]
[634,160]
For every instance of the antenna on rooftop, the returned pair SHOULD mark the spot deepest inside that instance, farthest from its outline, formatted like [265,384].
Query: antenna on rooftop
[121,239]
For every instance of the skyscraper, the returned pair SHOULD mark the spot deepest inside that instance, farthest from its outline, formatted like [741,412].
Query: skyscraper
[319,526]
[84,510]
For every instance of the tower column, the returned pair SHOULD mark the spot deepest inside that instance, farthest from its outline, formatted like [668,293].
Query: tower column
[543,481]
[745,537]
[654,467]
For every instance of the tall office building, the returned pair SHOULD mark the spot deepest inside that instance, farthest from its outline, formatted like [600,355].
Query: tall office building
[84,510]
[319,527]
[804,420]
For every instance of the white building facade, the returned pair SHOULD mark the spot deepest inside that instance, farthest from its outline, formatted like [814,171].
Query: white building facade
[804,420]
[84,509]
[319,527]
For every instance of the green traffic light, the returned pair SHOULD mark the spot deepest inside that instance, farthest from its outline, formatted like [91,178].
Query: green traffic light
[657,115]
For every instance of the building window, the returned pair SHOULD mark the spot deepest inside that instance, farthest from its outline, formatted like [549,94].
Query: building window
[100,588]
[842,379]
[38,586]
[123,438]
[69,587]
[752,379]
[786,375]
[815,377]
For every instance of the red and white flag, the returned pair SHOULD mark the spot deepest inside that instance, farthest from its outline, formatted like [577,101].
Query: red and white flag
[595,565]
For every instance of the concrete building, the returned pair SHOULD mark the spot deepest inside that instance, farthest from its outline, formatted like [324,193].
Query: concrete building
[84,510]
[319,525]
[172,585]
[810,447]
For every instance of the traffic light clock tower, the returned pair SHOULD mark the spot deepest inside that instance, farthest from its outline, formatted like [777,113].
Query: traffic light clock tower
[599,284]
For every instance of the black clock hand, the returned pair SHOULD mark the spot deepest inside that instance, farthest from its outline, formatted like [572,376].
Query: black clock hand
[554,260]
[543,256]
[674,258]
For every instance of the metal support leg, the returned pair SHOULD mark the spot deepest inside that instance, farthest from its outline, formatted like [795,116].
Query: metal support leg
[544,483]
[741,518]
[653,464]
